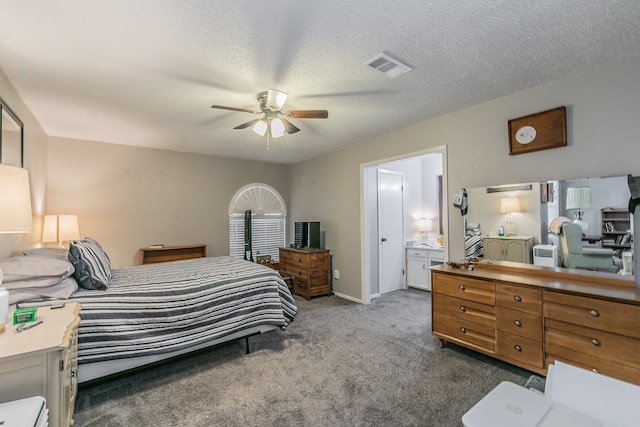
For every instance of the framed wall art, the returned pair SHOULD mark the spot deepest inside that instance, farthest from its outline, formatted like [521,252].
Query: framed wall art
[540,131]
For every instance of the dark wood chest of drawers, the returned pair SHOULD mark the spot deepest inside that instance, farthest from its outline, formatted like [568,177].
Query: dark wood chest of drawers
[310,268]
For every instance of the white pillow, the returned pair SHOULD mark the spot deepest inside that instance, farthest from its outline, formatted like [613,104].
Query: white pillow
[34,269]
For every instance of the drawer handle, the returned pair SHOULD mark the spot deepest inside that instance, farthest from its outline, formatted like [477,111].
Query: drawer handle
[517,323]
[595,370]
[300,260]
[517,347]
[594,313]
[463,330]
[461,287]
[463,308]
[595,342]
[518,298]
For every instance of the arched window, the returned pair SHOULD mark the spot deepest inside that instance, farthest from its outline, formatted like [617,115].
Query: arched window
[268,219]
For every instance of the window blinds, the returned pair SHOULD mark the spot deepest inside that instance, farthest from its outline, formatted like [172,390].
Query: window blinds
[267,235]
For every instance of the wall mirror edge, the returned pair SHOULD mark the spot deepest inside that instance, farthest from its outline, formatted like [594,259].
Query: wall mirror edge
[11,137]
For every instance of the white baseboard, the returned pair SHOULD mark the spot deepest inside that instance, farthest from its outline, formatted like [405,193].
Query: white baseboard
[347,297]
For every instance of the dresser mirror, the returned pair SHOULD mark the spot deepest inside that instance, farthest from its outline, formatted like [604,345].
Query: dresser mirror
[11,138]
[511,222]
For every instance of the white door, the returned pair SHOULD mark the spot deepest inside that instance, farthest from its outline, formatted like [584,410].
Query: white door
[390,230]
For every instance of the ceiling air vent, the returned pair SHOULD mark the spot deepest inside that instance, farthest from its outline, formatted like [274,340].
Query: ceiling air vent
[388,66]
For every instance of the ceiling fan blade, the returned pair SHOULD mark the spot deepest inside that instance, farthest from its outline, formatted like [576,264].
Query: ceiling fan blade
[289,127]
[308,114]
[247,124]
[244,110]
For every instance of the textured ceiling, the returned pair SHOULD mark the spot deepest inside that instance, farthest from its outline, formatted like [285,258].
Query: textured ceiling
[146,72]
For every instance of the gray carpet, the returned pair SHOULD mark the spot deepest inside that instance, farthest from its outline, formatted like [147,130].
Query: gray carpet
[338,364]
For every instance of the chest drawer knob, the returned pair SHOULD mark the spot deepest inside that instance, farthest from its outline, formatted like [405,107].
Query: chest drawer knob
[299,273]
[463,308]
[595,370]
[594,313]
[517,323]
[595,342]
[517,298]
[517,347]
[463,330]
[461,287]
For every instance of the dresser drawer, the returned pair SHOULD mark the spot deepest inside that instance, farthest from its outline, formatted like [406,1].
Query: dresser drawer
[471,311]
[520,323]
[519,298]
[603,345]
[518,348]
[296,271]
[469,333]
[294,260]
[481,291]
[610,316]
[590,363]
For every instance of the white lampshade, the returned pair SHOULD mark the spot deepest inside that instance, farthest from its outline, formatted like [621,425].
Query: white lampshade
[260,128]
[578,198]
[15,200]
[424,225]
[60,228]
[509,204]
[277,128]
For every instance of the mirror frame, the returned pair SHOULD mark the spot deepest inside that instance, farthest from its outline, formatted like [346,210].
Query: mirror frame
[6,142]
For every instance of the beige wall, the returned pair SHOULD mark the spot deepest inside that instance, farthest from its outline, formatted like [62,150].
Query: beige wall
[603,108]
[35,162]
[128,198]
[131,197]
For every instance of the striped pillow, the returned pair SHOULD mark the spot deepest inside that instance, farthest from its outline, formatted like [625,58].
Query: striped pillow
[93,267]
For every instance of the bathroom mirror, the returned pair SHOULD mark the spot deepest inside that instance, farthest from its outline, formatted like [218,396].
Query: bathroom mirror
[11,138]
[521,214]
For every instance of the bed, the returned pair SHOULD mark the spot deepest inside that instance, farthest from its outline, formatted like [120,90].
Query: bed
[139,315]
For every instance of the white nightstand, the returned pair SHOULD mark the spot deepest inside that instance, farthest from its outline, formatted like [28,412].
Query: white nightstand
[42,361]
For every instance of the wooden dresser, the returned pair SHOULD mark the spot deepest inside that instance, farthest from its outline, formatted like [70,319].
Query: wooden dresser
[310,268]
[531,316]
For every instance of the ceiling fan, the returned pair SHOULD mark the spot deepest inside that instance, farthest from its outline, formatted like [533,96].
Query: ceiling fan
[274,121]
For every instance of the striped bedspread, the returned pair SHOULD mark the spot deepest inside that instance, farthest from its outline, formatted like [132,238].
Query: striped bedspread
[159,308]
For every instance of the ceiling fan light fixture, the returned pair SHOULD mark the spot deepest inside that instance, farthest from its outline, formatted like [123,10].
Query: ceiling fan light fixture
[276,99]
[277,128]
[260,128]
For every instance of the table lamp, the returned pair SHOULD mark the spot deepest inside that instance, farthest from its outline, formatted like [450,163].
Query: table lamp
[60,228]
[510,205]
[15,214]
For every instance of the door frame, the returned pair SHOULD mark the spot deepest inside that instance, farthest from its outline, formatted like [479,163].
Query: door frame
[368,218]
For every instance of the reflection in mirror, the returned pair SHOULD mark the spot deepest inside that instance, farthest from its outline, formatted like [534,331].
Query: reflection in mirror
[578,223]
[11,147]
